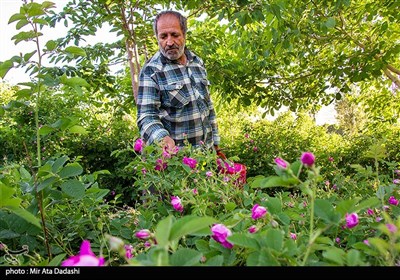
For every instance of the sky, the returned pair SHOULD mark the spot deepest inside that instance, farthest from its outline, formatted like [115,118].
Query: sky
[9,49]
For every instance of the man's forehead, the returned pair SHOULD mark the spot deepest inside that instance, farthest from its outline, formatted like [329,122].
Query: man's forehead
[168,23]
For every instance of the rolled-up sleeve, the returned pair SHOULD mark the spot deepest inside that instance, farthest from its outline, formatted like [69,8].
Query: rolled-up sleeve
[148,108]
[214,126]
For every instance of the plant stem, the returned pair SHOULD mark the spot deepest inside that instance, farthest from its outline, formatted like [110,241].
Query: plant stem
[38,146]
[311,238]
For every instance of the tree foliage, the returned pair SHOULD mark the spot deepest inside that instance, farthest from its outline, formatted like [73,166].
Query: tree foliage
[270,53]
[297,53]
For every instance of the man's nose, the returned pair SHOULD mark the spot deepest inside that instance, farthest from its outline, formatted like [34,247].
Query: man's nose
[170,41]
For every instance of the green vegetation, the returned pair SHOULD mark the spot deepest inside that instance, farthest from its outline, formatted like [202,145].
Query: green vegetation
[69,170]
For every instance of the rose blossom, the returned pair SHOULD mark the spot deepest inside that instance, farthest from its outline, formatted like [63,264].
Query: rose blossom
[86,257]
[307,158]
[191,162]
[143,234]
[258,212]
[176,203]
[253,229]
[391,227]
[138,145]
[393,201]
[281,163]
[220,233]
[351,220]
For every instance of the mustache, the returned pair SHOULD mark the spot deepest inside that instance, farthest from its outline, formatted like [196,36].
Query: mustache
[172,48]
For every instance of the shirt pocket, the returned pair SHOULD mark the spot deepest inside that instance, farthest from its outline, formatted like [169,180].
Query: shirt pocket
[173,95]
[202,85]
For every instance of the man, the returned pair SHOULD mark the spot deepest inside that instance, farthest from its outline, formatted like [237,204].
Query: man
[173,103]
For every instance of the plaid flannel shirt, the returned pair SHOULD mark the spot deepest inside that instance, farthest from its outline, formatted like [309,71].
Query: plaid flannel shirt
[174,100]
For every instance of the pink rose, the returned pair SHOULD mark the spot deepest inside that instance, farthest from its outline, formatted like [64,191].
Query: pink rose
[86,257]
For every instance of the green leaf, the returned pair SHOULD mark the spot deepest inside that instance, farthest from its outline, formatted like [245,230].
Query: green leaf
[27,216]
[97,193]
[215,261]
[8,234]
[51,45]
[74,81]
[202,246]
[23,36]
[5,67]
[185,257]
[62,123]
[274,239]
[47,182]
[330,23]
[78,90]
[56,261]
[75,50]
[230,206]
[368,203]
[353,258]
[73,188]
[324,240]
[48,4]
[324,210]
[274,205]
[16,17]
[7,199]
[28,56]
[45,130]
[78,129]
[24,173]
[335,255]
[59,163]
[21,23]
[284,218]
[72,169]
[44,170]
[243,240]
[77,81]
[369,250]
[163,231]
[11,203]
[188,225]
[346,206]
[264,257]
[295,166]
[380,244]
[34,9]
[380,193]
[40,21]
[376,151]
[23,93]
[160,256]
[273,181]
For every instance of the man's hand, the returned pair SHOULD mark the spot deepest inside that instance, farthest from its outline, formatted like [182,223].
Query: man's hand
[220,154]
[168,143]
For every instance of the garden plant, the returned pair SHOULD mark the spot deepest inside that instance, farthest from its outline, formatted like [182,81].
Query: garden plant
[79,187]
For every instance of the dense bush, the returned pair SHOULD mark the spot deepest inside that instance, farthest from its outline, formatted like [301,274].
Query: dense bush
[83,200]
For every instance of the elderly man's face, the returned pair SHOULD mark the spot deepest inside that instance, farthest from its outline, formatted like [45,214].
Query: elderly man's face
[171,39]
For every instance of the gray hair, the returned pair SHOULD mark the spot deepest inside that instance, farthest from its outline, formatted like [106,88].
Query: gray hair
[179,16]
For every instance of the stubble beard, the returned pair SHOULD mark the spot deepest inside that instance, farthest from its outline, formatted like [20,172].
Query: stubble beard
[174,52]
